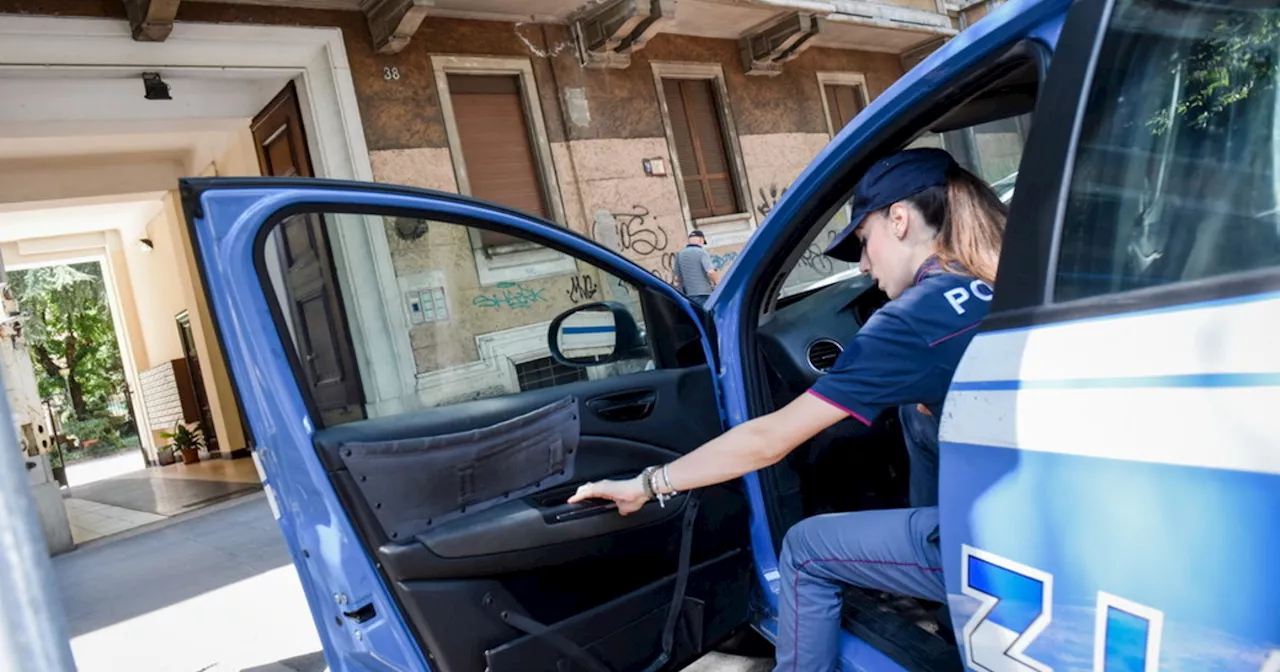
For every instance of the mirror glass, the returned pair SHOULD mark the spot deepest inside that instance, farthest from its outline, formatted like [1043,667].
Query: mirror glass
[588,334]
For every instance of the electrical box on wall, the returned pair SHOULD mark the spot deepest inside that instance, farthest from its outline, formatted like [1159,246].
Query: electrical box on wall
[656,167]
[425,299]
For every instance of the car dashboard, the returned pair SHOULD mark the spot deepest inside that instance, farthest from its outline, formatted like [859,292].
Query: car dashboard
[803,337]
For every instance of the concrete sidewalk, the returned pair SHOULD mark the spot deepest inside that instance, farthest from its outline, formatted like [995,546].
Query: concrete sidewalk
[212,591]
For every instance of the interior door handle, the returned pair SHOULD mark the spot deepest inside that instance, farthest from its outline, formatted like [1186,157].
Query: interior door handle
[634,405]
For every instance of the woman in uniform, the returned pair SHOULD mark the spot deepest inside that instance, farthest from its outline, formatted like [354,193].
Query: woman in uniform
[929,233]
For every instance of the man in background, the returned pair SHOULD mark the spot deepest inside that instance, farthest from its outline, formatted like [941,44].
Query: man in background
[694,273]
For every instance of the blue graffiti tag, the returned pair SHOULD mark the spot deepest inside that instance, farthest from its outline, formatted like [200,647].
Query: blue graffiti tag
[512,295]
[722,261]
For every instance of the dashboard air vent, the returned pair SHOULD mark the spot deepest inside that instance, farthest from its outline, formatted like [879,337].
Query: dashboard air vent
[822,354]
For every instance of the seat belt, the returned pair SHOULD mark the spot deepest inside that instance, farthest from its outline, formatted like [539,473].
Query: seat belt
[583,657]
[535,629]
[682,582]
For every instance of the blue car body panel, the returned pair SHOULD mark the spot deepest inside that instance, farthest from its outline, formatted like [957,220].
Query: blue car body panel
[1039,20]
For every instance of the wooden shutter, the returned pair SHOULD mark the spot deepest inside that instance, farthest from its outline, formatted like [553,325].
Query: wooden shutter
[700,147]
[844,102]
[496,146]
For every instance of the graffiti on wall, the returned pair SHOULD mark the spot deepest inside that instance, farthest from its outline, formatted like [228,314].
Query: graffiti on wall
[512,295]
[769,200]
[665,270]
[813,257]
[583,288]
[638,233]
[722,261]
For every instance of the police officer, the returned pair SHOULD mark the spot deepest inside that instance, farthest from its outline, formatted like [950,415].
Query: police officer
[929,233]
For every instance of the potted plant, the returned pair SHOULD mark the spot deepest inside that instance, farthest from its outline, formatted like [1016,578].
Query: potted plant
[185,440]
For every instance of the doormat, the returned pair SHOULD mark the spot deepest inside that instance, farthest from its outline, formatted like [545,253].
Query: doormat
[161,496]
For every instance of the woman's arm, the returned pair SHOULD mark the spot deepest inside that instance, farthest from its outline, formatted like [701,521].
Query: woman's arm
[750,446]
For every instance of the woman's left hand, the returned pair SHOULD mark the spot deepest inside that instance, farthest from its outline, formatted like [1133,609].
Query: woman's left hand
[628,494]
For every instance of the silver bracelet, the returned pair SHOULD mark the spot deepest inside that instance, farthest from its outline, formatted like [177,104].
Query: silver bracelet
[646,482]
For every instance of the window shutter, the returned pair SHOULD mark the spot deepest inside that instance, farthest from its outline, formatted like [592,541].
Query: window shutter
[493,130]
[844,102]
[701,149]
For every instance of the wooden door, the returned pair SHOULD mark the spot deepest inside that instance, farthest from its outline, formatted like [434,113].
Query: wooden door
[191,378]
[320,327]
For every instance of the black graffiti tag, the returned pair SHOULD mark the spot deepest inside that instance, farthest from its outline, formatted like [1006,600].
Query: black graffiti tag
[666,268]
[637,234]
[768,201]
[584,288]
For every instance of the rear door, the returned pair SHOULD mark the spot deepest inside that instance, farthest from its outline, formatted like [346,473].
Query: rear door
[1110,455]
[435,533]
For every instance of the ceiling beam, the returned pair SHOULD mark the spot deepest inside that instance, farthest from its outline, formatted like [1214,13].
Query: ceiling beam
[767,46]
[608,32]
[151,20]
[393,22]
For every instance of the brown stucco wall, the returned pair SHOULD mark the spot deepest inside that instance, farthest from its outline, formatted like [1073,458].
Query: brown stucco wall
[779,121]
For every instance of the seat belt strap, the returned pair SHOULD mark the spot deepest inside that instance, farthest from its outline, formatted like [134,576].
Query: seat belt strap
[582,656]
[535,629]
[682,582]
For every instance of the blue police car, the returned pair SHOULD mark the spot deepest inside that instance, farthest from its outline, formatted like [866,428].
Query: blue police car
[1110,463]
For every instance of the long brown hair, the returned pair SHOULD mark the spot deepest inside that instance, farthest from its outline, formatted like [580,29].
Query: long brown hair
[969,218]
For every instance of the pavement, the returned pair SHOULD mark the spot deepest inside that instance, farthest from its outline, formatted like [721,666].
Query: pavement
[196,592]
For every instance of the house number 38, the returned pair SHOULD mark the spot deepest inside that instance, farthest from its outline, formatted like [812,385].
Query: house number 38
[390,74]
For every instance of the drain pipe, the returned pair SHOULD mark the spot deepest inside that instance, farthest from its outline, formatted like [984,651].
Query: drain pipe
[33,633]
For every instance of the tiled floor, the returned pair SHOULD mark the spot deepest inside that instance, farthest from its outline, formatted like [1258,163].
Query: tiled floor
[128,500]
[91,520]
[224,471]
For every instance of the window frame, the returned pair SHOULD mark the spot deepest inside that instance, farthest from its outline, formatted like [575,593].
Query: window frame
[1032,246]
[721,229]
[506,263]
[840,79]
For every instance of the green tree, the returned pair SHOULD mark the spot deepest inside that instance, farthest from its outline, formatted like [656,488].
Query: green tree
[1237,57]
[70,329]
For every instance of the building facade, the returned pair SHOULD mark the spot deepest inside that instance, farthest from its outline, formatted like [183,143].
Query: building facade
[631,122]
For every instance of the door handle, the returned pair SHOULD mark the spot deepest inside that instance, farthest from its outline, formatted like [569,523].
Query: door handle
[627,406]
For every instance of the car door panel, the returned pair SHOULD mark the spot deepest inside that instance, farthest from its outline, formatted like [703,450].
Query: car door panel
[522,580]
[513,540]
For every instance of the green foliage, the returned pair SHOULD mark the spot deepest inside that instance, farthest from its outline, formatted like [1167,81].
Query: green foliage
[183,437]
[1236,58]
[70,328]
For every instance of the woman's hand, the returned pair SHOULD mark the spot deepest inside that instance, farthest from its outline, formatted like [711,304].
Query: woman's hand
[628,494]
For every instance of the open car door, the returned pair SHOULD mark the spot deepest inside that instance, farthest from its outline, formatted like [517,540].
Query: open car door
[435,533]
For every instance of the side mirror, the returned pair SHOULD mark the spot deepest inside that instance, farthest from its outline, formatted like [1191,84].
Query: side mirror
[594,333]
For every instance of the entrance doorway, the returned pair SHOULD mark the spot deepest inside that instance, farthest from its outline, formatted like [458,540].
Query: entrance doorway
[233,95]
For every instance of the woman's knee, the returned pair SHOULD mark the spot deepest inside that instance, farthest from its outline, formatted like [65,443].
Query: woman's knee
[804,540]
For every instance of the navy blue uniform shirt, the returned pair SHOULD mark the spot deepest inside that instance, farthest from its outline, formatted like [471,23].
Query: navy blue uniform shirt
[909,349]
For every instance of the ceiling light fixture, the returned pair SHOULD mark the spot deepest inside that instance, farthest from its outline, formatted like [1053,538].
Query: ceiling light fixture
[156,88]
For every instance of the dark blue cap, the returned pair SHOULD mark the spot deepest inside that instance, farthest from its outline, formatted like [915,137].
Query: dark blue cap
[888,181]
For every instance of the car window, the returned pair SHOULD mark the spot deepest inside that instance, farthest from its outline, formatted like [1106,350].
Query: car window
[1175,177]
[475,332]
[990,150]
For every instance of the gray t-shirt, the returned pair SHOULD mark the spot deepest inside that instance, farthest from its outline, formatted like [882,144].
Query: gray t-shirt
[691,267]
